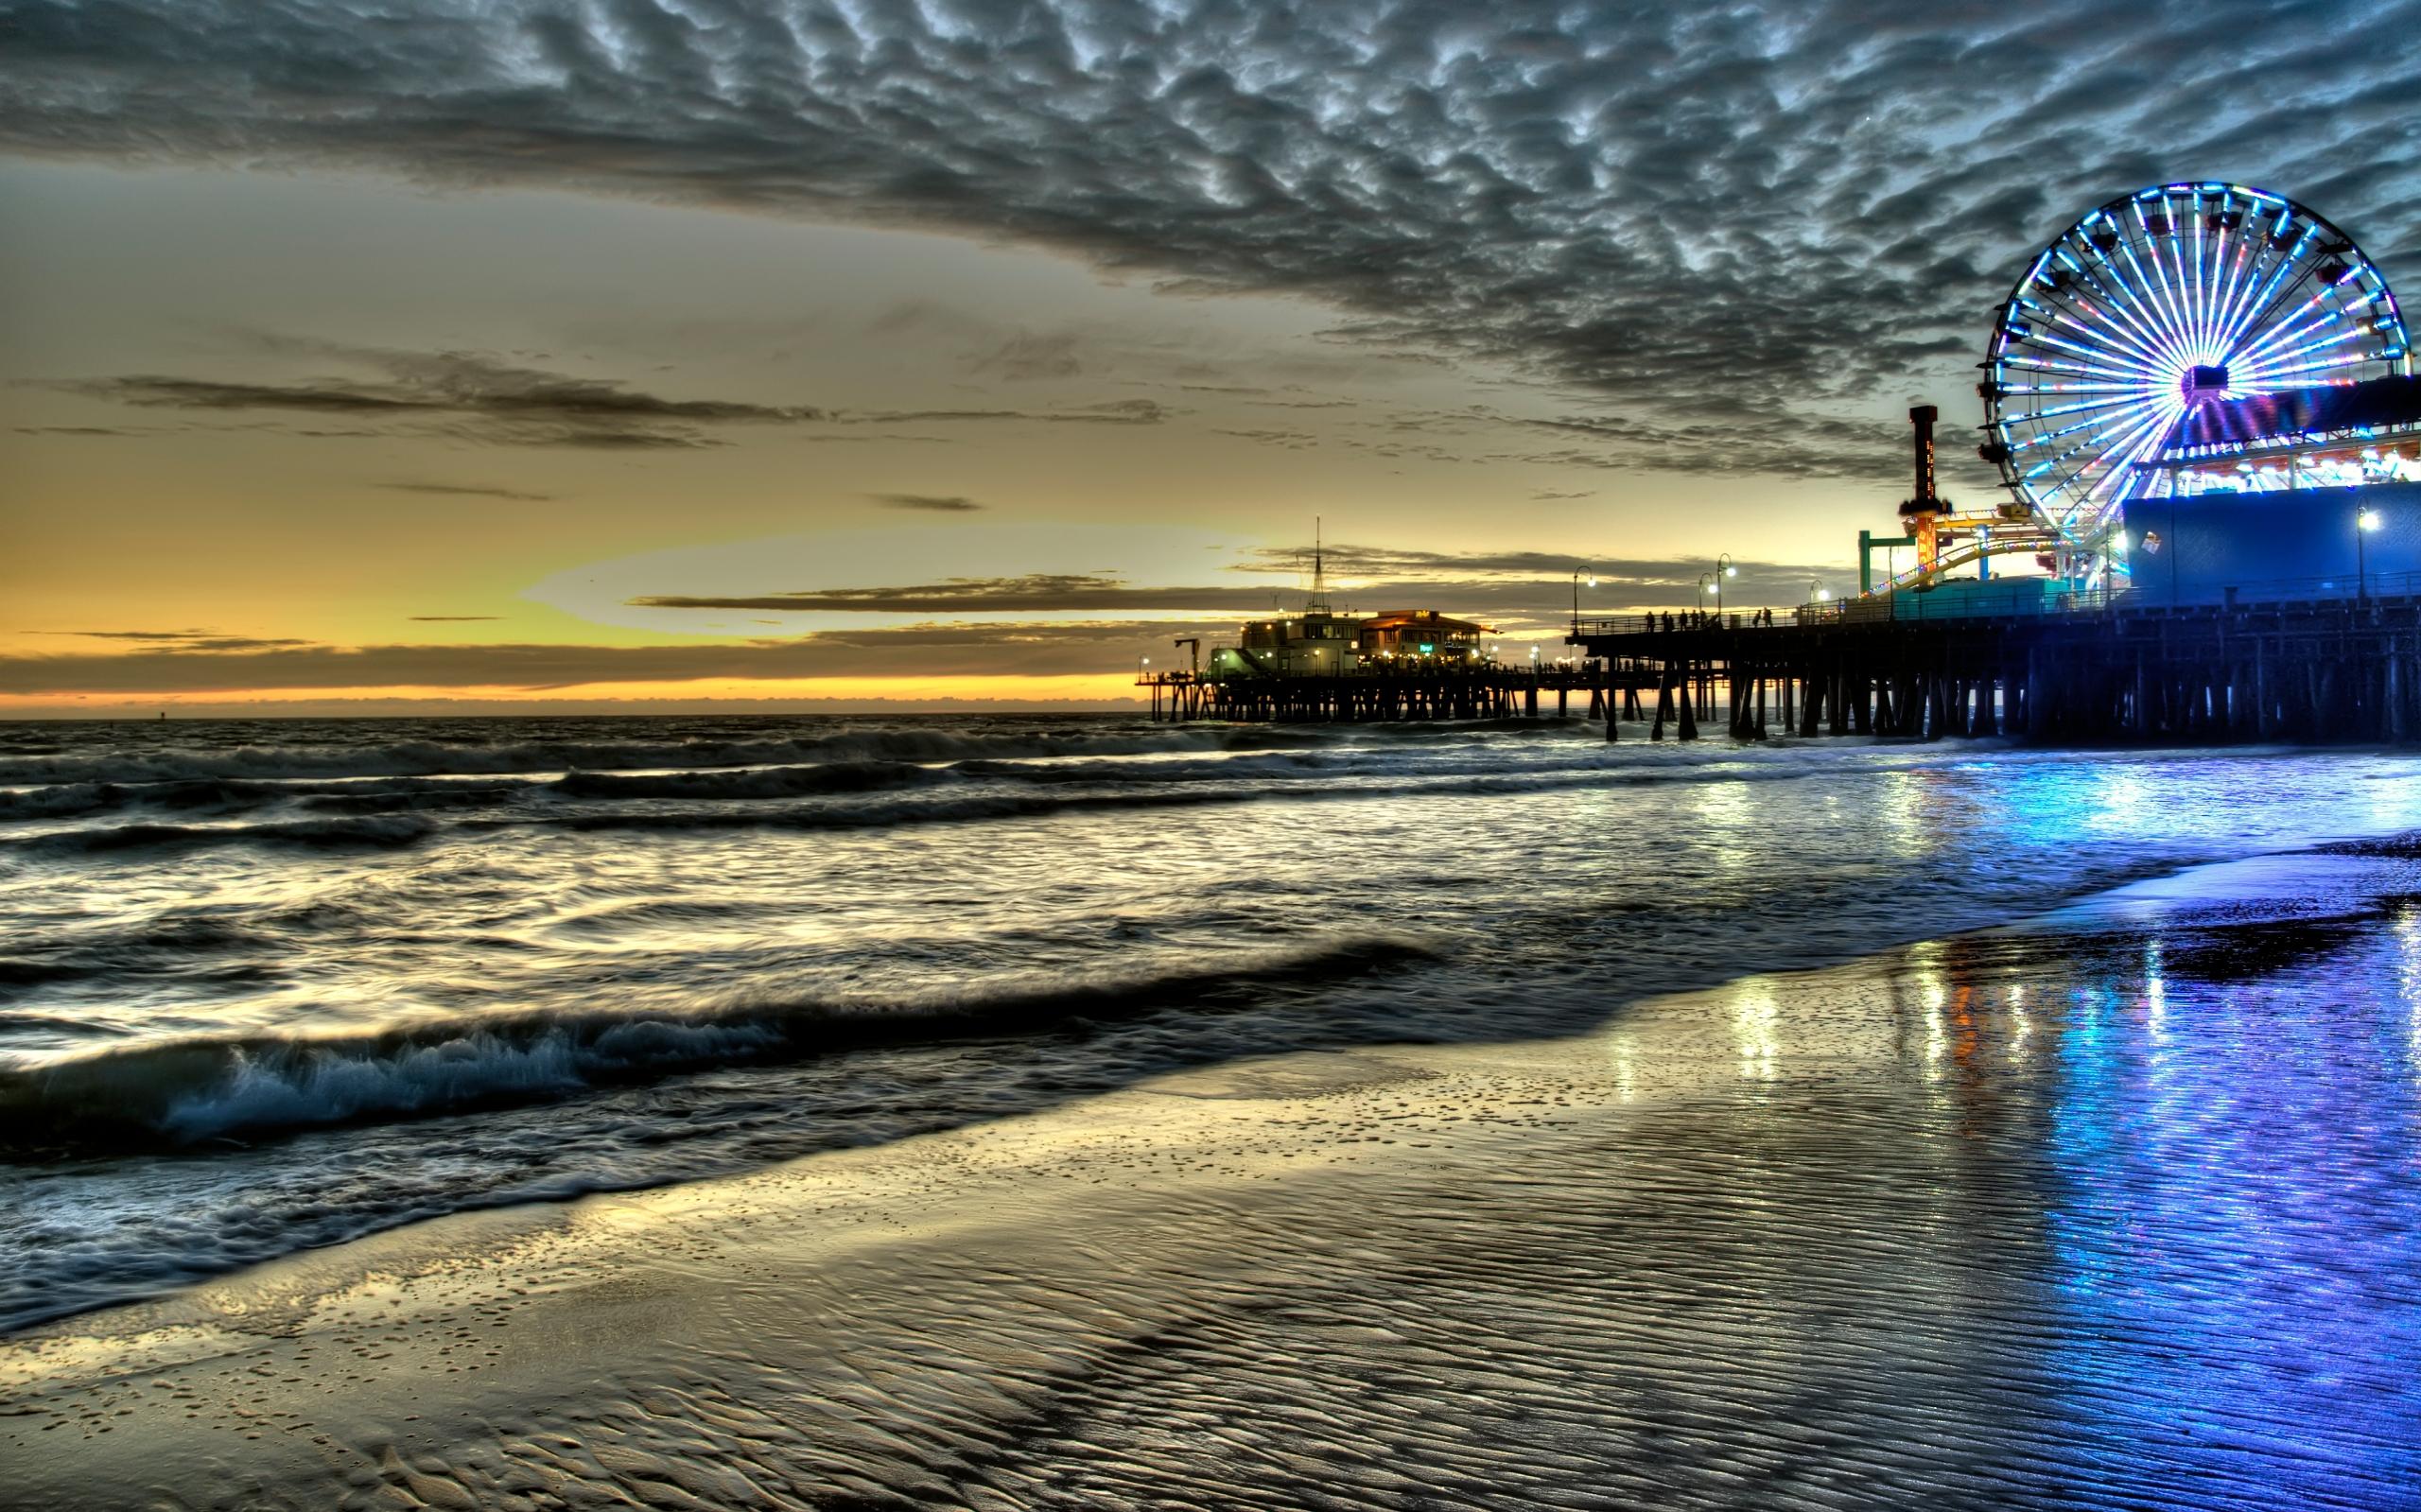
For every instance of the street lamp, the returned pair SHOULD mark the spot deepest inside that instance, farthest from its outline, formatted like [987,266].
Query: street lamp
[1575,592]
[1709,583]
[1140,662]
[1723,568]
[1818,592]
[2364,524]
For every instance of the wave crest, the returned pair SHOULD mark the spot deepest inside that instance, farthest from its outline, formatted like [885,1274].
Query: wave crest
[179,1091]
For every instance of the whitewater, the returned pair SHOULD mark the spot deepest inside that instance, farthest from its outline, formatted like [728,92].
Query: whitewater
[268,985]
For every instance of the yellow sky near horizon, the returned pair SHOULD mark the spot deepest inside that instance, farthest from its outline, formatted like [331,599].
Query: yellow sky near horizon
[254,423]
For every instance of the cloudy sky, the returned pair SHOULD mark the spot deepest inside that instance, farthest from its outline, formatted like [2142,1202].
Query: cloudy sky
[389,354]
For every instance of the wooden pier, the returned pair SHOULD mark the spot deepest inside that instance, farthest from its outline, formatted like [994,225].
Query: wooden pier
[1480,692]
[2096,671]
[2100,671]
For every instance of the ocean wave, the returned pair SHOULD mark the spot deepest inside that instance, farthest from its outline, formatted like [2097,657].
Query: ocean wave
[448,759]
[231,795]
[178,1092]
[367,830]
[1025,794]
[752,782]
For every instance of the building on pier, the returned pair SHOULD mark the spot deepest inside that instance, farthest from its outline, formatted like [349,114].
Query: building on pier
[1321,642]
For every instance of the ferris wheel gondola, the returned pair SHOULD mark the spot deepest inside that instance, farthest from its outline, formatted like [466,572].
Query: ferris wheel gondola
[2152,307]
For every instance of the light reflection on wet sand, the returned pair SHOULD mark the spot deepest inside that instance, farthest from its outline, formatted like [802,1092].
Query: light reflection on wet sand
[2115,1209]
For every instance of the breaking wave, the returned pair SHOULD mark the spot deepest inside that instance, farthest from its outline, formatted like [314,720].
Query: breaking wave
[177,1092]
[371,830]
[406,758]
[897,795]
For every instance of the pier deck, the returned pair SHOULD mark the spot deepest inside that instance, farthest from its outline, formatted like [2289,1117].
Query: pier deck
[2099,670]
[2102,671]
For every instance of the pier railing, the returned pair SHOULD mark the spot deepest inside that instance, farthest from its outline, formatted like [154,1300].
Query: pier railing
[2015,602]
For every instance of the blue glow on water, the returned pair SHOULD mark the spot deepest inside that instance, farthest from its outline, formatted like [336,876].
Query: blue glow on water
[2230,1215]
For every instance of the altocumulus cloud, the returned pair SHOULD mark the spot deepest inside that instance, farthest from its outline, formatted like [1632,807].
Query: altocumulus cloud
[475,396]
[1715,216]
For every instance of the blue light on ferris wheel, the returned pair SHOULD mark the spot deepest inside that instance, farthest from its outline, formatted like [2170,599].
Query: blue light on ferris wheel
[2148,309]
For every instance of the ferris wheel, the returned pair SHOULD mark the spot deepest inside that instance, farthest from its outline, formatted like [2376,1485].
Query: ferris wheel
[2148,309]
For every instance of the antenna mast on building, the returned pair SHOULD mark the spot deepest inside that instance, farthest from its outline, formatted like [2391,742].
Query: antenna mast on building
[1319,602]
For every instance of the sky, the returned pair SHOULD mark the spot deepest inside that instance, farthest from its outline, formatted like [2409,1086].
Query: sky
[399,356]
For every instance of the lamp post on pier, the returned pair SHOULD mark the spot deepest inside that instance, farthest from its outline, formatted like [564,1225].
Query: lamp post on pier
[1575,592]
[2364,524]
[1723,568]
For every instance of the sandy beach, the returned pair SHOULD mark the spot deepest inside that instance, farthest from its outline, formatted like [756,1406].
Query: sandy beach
[2113,1210]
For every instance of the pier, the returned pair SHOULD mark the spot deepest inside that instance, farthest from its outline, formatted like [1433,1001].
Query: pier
[1476,691]
[2225,438]
[2095,669]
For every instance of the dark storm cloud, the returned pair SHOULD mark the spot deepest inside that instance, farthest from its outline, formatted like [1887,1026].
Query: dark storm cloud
[471,396]
[182,642]
[463,395]
[930,503]
[1115,412]
[923,651]
[1726,216]
[466,491]
[1507,584]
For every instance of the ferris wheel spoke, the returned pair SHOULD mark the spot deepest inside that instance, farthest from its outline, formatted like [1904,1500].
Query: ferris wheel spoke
[2284,337]
[2149,311]
[2174,321]
[2190,278]
[2121,310]
[2099,353]
[2075,387]
[2115,345]
[2126,401]
[2241,279]
[2149,346]
[2088,475]
[2131,465]
[2148,430]
[2108,363]
[2250,313]
[2272,303]
[2097,422]
[2101,427]
[2321,336]
[2350,360]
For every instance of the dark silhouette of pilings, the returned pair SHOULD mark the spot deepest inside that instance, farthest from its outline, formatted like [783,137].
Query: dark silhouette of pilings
[2336,671]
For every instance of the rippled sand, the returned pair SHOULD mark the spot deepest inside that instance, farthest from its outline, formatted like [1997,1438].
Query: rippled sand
[2115,1211]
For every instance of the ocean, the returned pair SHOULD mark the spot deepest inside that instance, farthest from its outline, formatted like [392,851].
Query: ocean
[270,985]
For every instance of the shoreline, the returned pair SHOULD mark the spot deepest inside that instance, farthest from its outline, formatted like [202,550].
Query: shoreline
[1881,1231]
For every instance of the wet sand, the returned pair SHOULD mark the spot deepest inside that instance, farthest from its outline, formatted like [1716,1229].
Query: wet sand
[2124,1209]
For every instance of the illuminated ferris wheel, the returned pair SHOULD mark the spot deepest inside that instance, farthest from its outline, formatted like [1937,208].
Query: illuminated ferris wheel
[2158,333]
